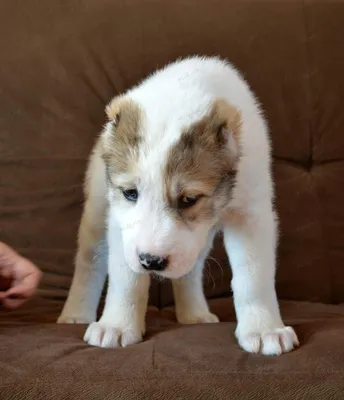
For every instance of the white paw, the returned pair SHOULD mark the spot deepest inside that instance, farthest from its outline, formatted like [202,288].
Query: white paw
[270,343]
[104,335]
[201,318]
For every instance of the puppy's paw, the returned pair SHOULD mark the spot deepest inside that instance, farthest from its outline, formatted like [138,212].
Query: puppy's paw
[76,318]
[272,342]
[110,336]
[197,318]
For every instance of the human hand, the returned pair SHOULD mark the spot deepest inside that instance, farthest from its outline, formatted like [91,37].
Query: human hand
[19,278]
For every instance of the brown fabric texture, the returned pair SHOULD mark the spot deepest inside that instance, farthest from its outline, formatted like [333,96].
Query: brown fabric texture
[49,361]
[60,64]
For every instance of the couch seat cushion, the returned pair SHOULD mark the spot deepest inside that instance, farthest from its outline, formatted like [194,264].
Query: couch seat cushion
[42,360]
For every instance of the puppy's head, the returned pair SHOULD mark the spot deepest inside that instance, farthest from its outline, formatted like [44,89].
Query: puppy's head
[169,182]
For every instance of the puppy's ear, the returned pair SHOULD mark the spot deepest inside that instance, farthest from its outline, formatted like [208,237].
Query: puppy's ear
[113,110]
[125,112]
[121,133]
[228,121]
[113,113]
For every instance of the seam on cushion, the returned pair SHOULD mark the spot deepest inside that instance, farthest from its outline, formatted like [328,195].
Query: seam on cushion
[310,102]
[308,79]
[153,356]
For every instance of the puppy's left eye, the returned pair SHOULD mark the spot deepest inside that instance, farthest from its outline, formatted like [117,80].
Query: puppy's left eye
[131,194]
[188,201]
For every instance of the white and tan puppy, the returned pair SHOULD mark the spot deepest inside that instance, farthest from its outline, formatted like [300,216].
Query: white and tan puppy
[185,154]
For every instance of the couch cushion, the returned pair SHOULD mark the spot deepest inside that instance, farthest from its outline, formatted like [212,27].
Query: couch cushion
[61,62]
[43,360]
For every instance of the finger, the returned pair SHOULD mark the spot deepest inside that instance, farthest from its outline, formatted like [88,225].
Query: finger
[12,303]
[12,263]
[9,259]
[26,289]
[6,272]
[4,248]
[8,256]
[38,274]
[5,282]
[25,286]
[25,268]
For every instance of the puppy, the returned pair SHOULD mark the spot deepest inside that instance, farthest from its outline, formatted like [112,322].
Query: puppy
[184,155]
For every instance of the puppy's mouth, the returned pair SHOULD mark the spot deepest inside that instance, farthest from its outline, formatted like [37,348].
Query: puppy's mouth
[170,273]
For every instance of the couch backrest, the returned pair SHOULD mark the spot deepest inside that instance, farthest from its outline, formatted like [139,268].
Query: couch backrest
[61,62]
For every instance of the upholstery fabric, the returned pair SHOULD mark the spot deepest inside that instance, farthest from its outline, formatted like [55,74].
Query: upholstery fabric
[60,64]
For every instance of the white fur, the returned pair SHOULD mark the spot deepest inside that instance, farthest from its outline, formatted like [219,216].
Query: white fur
[172,99]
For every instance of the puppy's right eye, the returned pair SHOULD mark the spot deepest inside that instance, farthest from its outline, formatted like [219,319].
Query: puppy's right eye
[131,194]
[188,201]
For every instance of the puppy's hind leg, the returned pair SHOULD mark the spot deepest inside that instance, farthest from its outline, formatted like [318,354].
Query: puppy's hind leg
[90,267]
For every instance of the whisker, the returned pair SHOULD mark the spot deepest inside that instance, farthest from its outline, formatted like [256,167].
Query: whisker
[208,273]
[218,264]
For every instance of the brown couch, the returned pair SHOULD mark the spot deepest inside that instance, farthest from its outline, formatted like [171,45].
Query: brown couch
[60,63]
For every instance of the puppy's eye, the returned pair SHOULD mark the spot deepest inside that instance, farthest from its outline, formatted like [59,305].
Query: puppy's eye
[131,194]
[188,201]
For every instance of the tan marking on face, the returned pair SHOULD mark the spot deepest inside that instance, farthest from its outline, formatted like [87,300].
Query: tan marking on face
[201,163]
[121,147]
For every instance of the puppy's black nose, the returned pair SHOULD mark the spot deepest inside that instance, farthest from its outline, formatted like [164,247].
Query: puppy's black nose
[153,263]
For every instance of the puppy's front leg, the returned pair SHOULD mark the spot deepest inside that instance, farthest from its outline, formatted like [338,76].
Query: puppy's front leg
[251,244]
[190,302]
[90,266]
[123,320]
[89,275]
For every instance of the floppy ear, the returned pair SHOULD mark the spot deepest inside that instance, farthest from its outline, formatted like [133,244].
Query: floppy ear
[113,110]
[229,126]
[121,134]
[114,113]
